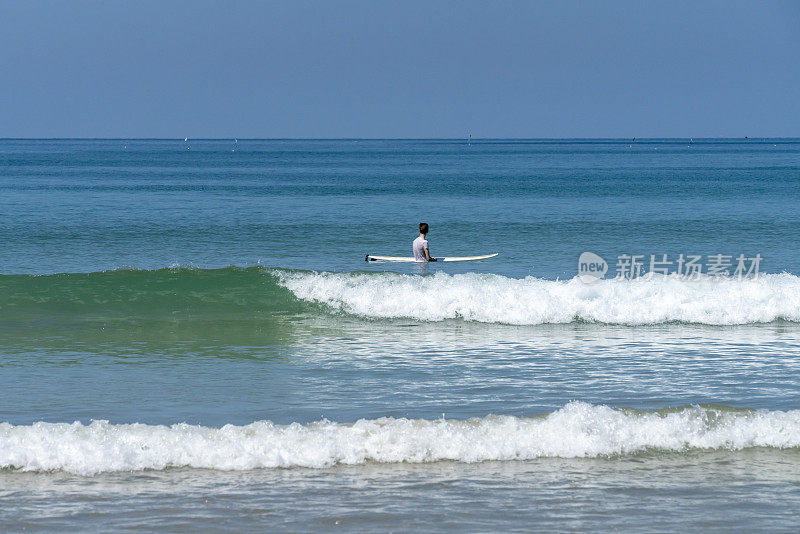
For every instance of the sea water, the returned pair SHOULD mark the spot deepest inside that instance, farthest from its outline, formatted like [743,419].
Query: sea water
[190,337]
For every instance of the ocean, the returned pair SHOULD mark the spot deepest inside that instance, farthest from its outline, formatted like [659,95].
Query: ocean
[190,338]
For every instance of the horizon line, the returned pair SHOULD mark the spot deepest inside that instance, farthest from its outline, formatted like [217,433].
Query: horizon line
[388,138]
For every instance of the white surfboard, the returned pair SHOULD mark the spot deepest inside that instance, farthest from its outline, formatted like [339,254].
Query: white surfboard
[370,257]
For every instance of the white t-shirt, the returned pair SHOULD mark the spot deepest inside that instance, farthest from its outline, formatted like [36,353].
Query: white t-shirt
[420,246]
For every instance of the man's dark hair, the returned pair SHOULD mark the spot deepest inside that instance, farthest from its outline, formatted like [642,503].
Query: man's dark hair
[423,228]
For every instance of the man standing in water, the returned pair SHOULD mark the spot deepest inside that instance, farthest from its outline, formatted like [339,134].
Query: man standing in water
[420,245]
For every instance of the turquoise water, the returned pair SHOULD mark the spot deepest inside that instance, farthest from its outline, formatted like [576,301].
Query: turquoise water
[189,329]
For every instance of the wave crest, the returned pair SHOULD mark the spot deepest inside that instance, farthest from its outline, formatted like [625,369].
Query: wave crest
[497,299]
[575,431]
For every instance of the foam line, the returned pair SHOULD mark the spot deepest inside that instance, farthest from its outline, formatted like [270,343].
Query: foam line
[529,301]
[575,431]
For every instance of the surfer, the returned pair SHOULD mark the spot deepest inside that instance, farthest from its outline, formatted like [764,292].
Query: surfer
[422,254]
[420,245]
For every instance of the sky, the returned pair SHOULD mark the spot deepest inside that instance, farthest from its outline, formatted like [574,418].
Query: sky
[399,69]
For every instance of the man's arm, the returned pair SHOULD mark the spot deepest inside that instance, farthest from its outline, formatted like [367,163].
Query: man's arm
[428,255]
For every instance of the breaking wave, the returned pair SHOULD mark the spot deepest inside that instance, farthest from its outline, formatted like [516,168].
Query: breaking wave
[578,430]
[529,301]
[247,297]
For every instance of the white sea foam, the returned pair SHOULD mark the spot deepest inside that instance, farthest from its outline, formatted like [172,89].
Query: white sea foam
[575,431]
[497,299]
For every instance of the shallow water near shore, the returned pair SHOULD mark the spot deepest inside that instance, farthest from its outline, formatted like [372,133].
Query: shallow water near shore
[651,493]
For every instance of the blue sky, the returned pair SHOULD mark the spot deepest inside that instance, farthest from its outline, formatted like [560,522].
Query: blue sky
[399,69]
